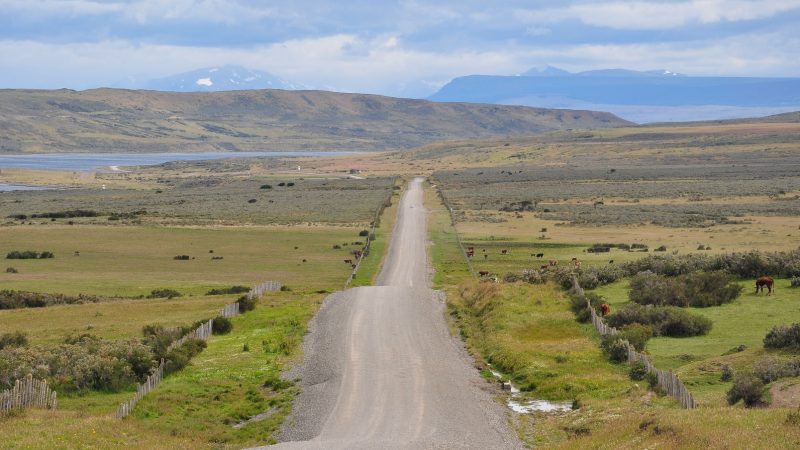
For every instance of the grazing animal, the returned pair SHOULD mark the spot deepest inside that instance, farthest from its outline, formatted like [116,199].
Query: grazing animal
[471,249]
[553,262]
[544,266]
[605,309]
[577,264]
[352,266]
[485,256]
[348,261]
[574,259]
[611,261]
[470,253]
[483,273]
[504,251]
[540,255]
[764,281]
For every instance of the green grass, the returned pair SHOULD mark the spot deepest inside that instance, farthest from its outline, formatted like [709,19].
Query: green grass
[371,265]
[132,261]
[225,385]
[698,360]
[115,319]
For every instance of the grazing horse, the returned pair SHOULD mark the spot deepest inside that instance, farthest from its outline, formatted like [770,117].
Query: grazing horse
[504,251]
[605,309]
[539,255]
[764,281]
[553,262]
[483,273]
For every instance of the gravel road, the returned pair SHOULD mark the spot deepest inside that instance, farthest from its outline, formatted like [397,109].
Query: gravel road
[381,369]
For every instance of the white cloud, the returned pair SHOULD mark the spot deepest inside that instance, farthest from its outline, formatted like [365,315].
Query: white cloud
[380,65]
[642,15]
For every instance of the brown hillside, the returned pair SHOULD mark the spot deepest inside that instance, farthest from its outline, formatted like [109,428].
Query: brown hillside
[112,120]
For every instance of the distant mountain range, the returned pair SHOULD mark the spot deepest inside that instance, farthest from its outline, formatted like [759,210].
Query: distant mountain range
[224,78]
[650,96]
[118,120]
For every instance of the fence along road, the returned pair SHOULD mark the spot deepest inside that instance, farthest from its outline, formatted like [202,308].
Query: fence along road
[381,368]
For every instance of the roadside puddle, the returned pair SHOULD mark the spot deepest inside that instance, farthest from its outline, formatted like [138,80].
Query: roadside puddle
[526,406]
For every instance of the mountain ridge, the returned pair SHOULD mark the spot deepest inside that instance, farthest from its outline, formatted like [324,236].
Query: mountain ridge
[117,120]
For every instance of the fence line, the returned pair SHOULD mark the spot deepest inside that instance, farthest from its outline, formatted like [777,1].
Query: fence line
[28,393]
[263,288]
[455,231]
[203,332]
[668,381]
[365,249]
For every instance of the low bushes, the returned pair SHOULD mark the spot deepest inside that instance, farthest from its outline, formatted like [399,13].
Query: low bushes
[769,369]
[22,299]
[181,257]
[615,348]
[699,289]
[783,337]
[794,282]
[229,290]
[164,293]
[740,264]
[246,303]
[29,254]
[15,339]
[748,388]
[221,325]
[578,305]
[179,357]
[66,214]
[664,320]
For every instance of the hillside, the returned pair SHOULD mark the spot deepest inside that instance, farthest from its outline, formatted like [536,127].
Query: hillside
[115,120]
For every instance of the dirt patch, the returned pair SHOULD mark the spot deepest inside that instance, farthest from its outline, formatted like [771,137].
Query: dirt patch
[785,395]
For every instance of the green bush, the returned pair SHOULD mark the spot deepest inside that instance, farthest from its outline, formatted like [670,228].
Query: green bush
[665,320]
[179,357]
[794,282]
[229,290]
[615,348]
[700,289]
[727,373]
[638,371]
[164,293]
[783,337]
[11,270]
[15,339]
[247,303]
[29,254]
[578,305]
[363,233]
[637,335]
[748,388]
[182,257]
[221,325]
[21,299]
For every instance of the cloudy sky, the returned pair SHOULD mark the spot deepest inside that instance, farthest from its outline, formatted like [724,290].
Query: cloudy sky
[390,47]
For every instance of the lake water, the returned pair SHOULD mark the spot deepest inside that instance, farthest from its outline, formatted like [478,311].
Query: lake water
[93,161]
[82,162]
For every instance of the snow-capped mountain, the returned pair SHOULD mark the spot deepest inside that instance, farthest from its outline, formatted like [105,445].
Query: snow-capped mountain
[223,78]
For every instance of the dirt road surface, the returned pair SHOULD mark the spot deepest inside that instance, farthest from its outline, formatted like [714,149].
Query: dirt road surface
[381,369]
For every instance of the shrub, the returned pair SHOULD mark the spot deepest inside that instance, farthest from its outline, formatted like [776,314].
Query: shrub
[221,325]
[246,303]
[266,186]
[638,371]
[637,335]
[182,257]
[769,369]
[179,357]
[578,305]
[615,348]
[290,184]
[699,289]
[783,337]
[11,270]
[727,373]
[794,282]
[662,248]
[363,233]
[15,339]
[252,200]
[21,299]
[748,388]
[652,380]
[665,320]
[285,288]
[229,290]
[29,254]
[164,293]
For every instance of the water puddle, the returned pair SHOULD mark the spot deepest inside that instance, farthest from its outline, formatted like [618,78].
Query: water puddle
[521,405]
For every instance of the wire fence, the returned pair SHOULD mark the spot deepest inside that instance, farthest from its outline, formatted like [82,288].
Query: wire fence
[365,250]
[28,393]
[455,231]
[667,381]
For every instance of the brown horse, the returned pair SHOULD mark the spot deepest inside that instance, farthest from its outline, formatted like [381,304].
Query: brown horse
[764,281]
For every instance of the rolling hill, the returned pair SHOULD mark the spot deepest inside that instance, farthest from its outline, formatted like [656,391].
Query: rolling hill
[116,120]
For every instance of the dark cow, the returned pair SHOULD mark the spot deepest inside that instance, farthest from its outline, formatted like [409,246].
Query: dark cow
[483,273]
[504,251]
[348,261]
[764,281]
[611,261]
[540,255]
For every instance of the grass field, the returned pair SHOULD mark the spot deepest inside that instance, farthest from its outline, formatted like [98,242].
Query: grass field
[371,265]
[698,360]
[132,261]
[116,319]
